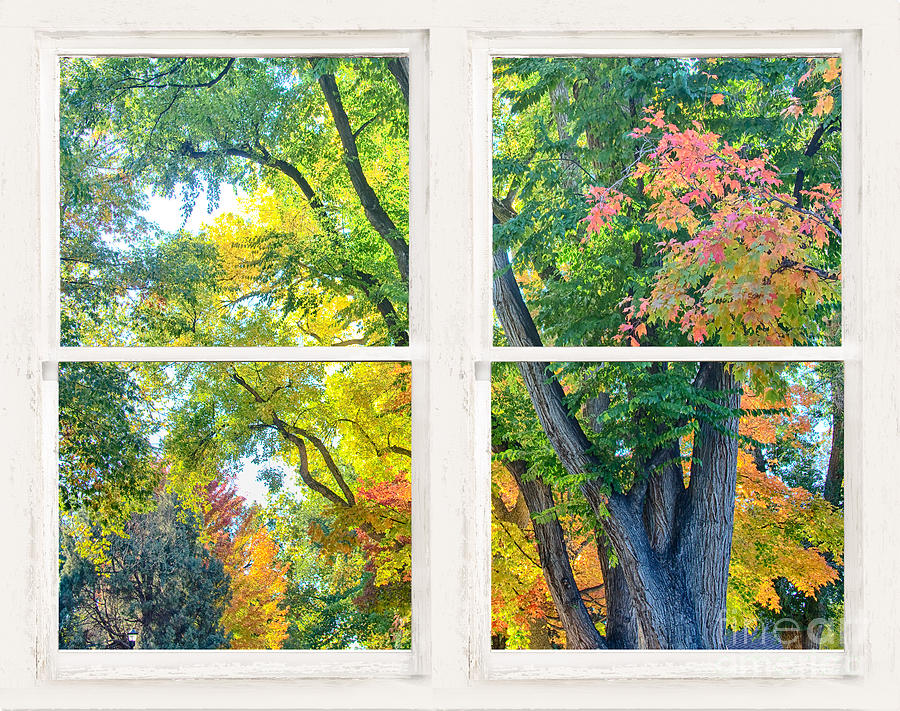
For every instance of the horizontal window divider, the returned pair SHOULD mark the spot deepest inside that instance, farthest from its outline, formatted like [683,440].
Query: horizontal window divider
[86,665]
[639,354]
[667,664]
[232,354]
[270,43]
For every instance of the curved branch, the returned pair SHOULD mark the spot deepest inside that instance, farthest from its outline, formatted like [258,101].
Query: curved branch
[296,438]
[365,282]
[305,474]
[396,449]
[148,83]
[812,147]
[330,463]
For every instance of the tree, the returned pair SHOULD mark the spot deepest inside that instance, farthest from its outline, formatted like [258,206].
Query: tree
[319,255]
[255,616]
[329,137]
[104,464]
[156,577]
[667,535]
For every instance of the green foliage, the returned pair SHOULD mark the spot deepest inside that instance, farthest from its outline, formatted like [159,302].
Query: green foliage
[185,126]
[303,263]
[562,126]
[104,450]
[604,243]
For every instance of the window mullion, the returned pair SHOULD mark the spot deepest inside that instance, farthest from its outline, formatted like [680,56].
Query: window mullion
[451,381]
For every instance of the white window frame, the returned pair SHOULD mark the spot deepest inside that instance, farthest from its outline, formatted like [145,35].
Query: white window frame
[627,664]
[216,664]
[451,665]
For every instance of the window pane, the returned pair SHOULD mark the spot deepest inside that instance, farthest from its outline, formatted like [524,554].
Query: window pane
[234,505]
[221,201]
[668,201]
[675,506]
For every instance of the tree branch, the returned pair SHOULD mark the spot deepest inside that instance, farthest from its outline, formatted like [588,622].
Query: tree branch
[364,281]
[330,463]
[554,558]
[148,83]
[375,213]
[812,147]
[295,438]
[399,67]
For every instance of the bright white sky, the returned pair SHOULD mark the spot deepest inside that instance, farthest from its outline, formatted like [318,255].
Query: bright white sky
[166,212]
[248,485]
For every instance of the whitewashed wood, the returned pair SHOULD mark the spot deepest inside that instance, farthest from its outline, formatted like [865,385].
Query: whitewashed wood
[296,43]
[872,434]
[418,334]
[233,354]
[875,437]
[87,665]
[451,378]
[548,42]
[482,322]
[854,248]
[658,664]
[20,428]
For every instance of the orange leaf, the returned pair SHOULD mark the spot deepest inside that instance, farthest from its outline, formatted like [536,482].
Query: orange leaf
[717,99]
[833,71]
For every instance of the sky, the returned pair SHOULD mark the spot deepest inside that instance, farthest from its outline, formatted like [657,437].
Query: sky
[166,212]
[248,485]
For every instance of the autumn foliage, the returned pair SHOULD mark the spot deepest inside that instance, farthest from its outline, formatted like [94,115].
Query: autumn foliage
[712,217]
[256,616]
[752,248]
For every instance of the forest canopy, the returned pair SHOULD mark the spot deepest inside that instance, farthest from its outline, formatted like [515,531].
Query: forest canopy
[224,504]
[636,202]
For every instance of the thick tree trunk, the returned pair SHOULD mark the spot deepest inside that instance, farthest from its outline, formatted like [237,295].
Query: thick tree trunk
[703,549]
[673,545]
[622,630]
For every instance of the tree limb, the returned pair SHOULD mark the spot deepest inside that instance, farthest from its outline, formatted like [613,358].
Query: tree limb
[296,438]
[554,558]
[367,283]
[399,67]
[375,212]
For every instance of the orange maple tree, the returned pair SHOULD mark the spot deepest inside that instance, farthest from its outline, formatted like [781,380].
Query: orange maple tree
[255,616]
[780,531]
